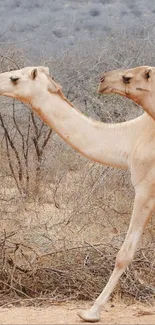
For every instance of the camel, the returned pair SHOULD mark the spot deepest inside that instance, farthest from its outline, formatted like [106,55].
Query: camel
[136,84]
[128,145]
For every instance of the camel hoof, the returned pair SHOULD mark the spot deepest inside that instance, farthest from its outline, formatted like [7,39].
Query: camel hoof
[89,315]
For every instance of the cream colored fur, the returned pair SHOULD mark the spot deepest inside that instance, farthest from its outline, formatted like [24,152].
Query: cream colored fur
[129,145]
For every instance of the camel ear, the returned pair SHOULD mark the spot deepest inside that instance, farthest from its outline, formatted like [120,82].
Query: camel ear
[148,73]
[34,73]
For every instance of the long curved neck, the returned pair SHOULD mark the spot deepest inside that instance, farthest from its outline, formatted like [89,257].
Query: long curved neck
[109,144]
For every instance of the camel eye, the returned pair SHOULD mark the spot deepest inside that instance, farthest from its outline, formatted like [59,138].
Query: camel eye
[14,79]
[126,80]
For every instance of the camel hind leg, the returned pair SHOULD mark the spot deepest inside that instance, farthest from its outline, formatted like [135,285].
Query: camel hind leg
[144,205]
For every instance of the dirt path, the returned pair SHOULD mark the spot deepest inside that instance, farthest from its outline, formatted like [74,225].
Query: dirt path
[66,314]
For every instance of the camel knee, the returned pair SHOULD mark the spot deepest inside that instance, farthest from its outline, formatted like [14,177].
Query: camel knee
[123,259]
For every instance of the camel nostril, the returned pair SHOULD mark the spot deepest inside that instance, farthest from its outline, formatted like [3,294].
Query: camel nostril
[102,79]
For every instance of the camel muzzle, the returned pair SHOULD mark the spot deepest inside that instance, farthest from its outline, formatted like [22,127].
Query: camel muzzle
[101,90]
[102,79]
[103,87]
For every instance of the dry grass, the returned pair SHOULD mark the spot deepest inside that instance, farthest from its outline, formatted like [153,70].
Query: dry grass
[61,227]
[77,273]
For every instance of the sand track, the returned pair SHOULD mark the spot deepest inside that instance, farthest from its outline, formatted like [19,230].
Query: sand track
[66,314]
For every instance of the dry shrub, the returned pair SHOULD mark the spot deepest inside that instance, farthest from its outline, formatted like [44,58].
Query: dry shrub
[64,218]
[76,273]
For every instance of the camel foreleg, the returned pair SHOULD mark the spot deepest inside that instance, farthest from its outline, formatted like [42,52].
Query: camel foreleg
[142,210]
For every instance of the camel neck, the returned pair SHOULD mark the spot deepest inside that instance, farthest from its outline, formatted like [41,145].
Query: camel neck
[108,144]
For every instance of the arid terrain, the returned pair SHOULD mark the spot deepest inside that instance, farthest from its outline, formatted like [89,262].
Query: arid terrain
[66,314]
[64,218]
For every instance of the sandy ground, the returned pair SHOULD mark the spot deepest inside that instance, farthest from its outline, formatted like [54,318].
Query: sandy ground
[66,314]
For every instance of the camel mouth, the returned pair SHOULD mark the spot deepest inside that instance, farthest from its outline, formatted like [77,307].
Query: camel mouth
[105,90]
[120,92]
[109,89]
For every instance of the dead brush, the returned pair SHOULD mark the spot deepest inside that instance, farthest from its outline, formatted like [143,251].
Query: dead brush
[77,273]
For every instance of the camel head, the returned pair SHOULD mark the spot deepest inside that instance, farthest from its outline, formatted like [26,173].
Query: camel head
[137,84]
[27,83]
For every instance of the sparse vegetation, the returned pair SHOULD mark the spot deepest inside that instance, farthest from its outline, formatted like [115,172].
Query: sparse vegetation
[63,219]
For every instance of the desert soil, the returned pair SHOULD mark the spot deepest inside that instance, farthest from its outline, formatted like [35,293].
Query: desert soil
[117,313]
